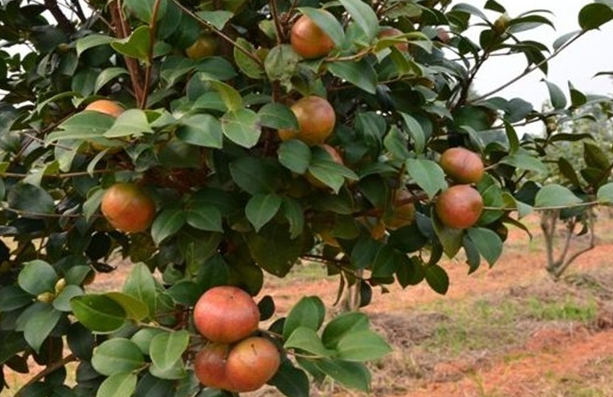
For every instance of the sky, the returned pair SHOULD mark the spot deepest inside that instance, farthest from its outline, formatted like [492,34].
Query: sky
[578,63]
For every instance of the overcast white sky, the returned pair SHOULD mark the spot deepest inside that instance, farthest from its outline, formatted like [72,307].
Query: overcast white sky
[578,63]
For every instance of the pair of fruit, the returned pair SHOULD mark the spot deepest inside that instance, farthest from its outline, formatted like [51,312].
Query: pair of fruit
[233,359]
[460,206]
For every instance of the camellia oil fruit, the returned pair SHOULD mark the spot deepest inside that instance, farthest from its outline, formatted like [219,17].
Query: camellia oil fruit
[316,120]
[459,207]
[462,165]
[128,208]
[210,365]
[105,106]
[226,314]
[251,363]
[308,40]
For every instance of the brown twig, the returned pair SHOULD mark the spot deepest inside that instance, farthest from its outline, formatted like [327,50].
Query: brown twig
[48,370]
[148,71]
[62,21]
[122,30]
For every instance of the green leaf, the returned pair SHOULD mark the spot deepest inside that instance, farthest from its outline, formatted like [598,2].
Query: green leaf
[253,175]
[39,325]
[295,155]
[242,126]
[349,374]
[329,172]
[99,313]
[36,277]
[523,160]
[605,196]
[281,64]
[437,278]
[361,74]
[175,372]
[167,348]
[307,340]
[204,216]
[487,242]
[343,325]
[131,123]
[294,213]
[363,14]
[143,9]
[274,250]
[245,63]
[262,208]
[117,355]
[137,45]
[327,22]
[141,285]
[143,337]
[201,130]
[91,41]
[416,132]
[362,345]
[167,224]
[83,125]
[291,381]
[217,18]
[107,76]
[30,199]
[450,238]
[595,157]
[62,300]
[555,196]
[135,308]
[594,15]
[556,95]
[428,175]
[278,116]
[121,384]
[309,312]
[12,297]
[229,95]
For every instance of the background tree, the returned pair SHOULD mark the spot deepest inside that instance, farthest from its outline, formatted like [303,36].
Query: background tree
[211,166]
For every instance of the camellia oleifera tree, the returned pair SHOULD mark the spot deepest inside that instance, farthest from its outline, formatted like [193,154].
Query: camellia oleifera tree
[213,143]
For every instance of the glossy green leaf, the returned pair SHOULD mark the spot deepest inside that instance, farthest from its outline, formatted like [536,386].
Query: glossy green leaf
[450,238]
[117,355]
[245,63]
[525,161]
[121,384]
[131,123]
[487,242]
[36,277]
[204,216]
[262,208]
[343,325]
[12,297]
[39,326]
[274,250]
[295,155]
[309,312]
[281,64]
[91,41]
[229,95]
[278,116]
[605,195]
[253,175]
[242,126]
[364,345]
[137,45]
[556,96]
[217,18]
[291,381]
[437,278]
[294,213]
[62,300]
[555,196]
[167,224]
[428,175]
[201,130]
[361,74]
[32,201]
[143,337]
[83,125]
[307,341]
[108,75]
[594,15]
[136,309]
[99,313]
[363,14]
[174,372]
[141,285]
[167,348]
[144,9]
[349,374]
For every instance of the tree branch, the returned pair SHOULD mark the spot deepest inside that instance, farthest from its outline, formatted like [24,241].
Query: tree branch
[48,370]
[62,21]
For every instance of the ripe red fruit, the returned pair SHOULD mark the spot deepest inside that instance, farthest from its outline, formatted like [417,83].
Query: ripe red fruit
[462,165]
[316,120]
[459,207]
[308,40]
[226,314]
[391,32]
[210,365]
[127,208]
[252,363]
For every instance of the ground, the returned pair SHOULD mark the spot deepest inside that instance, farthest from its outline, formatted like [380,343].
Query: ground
[508,331]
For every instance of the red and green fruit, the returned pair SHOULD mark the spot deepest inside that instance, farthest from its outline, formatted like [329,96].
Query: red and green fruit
[459,207]
[316,120]
[251,363]
[128,208]
[462,165]
[309,40]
